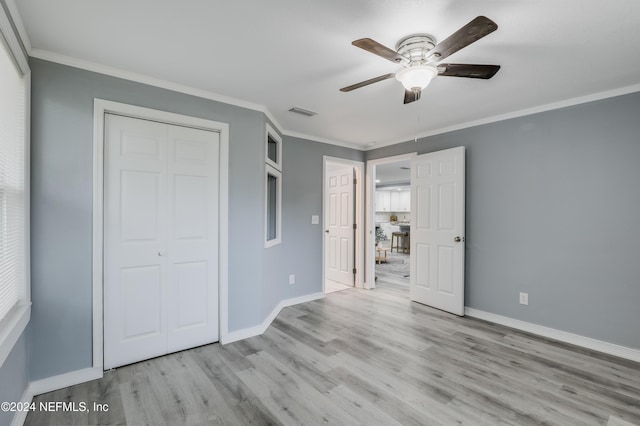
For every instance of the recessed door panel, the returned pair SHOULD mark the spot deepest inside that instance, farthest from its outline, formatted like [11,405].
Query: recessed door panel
[137,145]
[446,206]
[333,210]
[345,219]
[191,151]
[445,269]
[139,205]
[422,267]
[190,280]
[141,299]
[190,207]
[344,254]
[423,196]
[333,252]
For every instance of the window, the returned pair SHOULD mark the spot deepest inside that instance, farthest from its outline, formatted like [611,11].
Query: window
[14,291]
[273,149]
[273,187]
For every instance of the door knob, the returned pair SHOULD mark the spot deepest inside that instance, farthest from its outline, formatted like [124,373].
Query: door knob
[326,230]
[458,239]
[160,253]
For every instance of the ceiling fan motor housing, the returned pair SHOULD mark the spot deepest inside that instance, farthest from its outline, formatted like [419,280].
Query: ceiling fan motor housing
[416,48]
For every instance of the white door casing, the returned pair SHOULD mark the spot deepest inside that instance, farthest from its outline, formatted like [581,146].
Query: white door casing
[437,229]
[339,220]
[161,239]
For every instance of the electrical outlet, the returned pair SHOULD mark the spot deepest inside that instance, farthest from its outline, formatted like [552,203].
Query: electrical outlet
[292,279]
[524,298]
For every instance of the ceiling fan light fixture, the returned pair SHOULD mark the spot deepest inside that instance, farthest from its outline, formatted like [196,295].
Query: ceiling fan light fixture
[417,77]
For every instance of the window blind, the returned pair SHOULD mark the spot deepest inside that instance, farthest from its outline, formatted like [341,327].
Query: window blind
[12,191]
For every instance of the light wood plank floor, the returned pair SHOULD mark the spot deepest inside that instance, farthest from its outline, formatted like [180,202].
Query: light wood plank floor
[366,358]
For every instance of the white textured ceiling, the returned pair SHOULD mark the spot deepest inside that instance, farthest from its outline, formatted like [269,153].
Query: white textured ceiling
[284,53]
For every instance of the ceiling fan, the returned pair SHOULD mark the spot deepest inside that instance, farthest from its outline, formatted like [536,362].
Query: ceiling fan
[421,56]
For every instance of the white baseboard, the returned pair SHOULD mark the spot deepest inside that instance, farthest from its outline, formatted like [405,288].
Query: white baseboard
[563,336]
[20,416]
[50,384]
[257,330]
[64,380]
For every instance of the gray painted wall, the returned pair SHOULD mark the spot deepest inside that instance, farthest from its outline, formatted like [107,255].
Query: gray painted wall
[300,252]
[13,377]
[552,209]
[61,207]
[60,337]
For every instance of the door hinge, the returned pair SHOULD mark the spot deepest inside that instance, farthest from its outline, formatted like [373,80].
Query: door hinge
[355,226]
[355,271]
[355,181]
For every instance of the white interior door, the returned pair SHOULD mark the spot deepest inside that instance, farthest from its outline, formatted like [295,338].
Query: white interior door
[161,239]
[339,220]
[437,229]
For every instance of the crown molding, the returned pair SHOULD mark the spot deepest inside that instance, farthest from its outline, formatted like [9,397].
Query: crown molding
[322,140]
[515,114]
[165,84]
[151,81]
[176,87]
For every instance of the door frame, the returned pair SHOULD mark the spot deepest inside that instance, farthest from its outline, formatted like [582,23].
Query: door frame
[102,107]
[370,281]
[358,262]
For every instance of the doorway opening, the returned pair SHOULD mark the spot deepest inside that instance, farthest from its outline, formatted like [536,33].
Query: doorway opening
[389,220]
[391,223]
[436,227]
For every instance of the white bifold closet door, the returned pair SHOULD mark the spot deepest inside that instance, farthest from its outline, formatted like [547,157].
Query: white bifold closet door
[161,239]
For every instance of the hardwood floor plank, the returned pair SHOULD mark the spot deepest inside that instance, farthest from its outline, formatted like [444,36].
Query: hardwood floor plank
[371,358]
[246,405]
[140,404]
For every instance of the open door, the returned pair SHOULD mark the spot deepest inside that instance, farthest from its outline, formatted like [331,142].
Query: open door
[437,229]
[339,225]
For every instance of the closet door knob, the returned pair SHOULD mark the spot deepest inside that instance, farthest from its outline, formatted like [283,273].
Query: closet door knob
[160,253]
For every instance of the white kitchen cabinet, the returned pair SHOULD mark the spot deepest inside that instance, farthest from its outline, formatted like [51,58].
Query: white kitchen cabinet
[383,201]
[394,197]
[393,201]
[405,201]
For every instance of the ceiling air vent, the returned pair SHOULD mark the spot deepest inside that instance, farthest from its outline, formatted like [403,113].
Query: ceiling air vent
[303,111]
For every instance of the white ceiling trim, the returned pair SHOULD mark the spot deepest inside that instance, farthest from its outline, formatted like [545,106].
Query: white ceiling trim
[321,140]
[144,79]
[151,81]
[521,113]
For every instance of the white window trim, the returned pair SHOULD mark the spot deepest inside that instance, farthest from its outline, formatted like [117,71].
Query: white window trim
[13,325]
[270,170]
[275,136]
